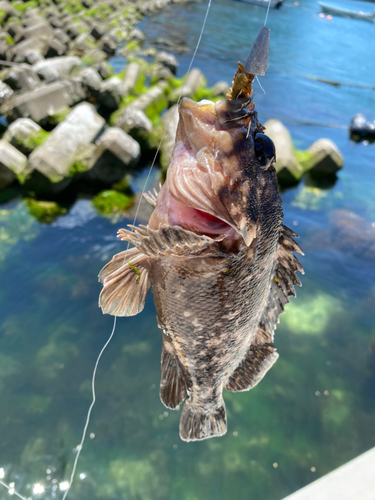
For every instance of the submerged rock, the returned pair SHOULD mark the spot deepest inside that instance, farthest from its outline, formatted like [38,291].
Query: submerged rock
[44,211]
[56,156]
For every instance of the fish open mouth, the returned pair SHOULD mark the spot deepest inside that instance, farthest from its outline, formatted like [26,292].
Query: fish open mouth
[206,190]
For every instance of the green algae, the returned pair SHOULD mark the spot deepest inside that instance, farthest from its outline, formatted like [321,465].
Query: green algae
[58,116]
[112,201]
[311,316]
[44,211]
[32,142]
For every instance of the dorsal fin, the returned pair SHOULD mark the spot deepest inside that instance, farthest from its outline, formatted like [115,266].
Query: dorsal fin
[152,196]
[125,284]
[262,355]
[167,240]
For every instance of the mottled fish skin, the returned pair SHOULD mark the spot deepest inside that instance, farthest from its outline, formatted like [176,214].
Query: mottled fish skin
[219,284]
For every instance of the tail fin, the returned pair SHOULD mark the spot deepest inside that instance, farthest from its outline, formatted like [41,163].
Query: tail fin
[198,423]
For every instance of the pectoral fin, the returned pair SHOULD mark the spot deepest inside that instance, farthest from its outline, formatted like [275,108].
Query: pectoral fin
[125,284]
[172,381]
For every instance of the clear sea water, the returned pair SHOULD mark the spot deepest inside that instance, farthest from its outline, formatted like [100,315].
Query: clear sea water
[314,411]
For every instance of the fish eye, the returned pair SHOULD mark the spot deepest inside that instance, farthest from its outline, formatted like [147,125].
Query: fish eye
[264,150]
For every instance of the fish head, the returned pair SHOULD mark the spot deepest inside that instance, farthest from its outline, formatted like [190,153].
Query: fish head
[220,165]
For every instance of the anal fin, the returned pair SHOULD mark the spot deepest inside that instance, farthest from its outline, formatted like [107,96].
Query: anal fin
[172,381]
[253,368]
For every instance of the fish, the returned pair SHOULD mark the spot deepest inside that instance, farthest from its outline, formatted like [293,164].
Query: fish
[216,254]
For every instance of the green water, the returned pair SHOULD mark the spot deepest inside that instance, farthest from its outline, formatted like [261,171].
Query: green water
[315,409]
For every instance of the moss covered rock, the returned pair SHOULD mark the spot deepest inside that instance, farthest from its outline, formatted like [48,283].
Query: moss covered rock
[112,201]
[44,211]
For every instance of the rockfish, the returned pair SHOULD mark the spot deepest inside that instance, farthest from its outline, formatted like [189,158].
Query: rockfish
[217,256]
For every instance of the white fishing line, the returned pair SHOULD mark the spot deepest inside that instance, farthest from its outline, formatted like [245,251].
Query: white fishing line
[80,446]
[268,9]
[12,491]
[171,118]
[260,85]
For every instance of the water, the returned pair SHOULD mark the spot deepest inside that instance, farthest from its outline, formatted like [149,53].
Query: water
[314,411]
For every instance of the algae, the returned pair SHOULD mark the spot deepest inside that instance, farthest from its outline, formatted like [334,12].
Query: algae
[44,211]
[111,201]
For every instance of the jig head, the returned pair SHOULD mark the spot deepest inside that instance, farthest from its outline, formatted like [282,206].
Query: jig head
[256,65]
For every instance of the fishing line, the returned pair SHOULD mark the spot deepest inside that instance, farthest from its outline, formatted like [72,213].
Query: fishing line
[80,446]
[12,491]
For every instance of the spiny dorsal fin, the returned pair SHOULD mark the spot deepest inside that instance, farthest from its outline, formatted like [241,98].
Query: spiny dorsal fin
[262,355]
[125,284]
[172,381]
[152,196]
[167,240]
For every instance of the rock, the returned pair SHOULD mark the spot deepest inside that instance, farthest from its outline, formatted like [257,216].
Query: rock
[21,77]
[25,135]
[8,10]
[153,95]
[5,92]
[132,75]
[61,36]
[325,158]
[287,168]
[108,45]
[82,44]
[116,153]
[30,50]
[56,67]
[56,48]
[161,72]
[4,51]
[94,56]
[168,60]
[14,29]
[104,69]
[352,234]
[170,122]
[220,88]
[98,31]
[91,82]
[362,129]
[111,92]
[38,104]
[192,83]
[56,156]
[137,35]
[55,22]
[12,163]
[42,28]
[134,122]
[73,30]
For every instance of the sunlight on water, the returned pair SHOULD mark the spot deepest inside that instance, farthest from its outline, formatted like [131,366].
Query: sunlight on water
[313,411]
